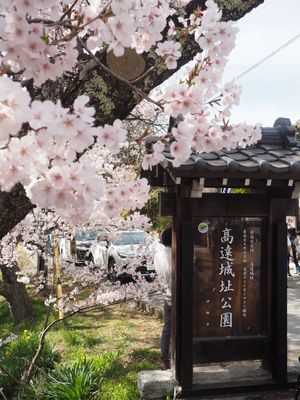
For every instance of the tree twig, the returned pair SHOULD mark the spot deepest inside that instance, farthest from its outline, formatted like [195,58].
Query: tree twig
[2,394]
[68,10]
[28,374]
[146,73]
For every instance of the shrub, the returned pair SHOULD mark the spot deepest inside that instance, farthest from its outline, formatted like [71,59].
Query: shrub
[16,357]
[80,381]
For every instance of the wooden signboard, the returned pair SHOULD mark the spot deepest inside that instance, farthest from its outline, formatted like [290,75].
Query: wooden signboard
[227,281]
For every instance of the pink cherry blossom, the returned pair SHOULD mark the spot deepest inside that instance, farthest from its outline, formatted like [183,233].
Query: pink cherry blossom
[181,151]
[80,109]
[53,159]
[169,50]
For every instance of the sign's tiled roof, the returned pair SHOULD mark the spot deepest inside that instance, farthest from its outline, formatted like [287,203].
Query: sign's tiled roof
[277,152]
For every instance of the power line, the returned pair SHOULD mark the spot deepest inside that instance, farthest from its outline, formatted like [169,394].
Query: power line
[268,56]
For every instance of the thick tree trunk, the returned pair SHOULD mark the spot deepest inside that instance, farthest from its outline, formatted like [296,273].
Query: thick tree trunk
[111,98]
[14,206]
[16,295]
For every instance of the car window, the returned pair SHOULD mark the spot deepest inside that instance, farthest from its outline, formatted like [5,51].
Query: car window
[130,238]
[85,235]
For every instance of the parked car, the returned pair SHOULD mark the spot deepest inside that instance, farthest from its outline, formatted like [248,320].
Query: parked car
[77,249]
[83,241]
[128,245]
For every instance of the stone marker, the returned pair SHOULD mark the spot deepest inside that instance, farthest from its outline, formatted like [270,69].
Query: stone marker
[156,384]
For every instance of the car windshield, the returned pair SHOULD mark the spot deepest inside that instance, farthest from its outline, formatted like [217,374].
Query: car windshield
[131,238]
[85,235]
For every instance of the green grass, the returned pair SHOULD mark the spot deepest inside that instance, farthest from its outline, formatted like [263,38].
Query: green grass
[120,339]
[120,383]
[35,323]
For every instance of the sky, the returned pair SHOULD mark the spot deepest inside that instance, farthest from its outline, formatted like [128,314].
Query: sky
[271,90]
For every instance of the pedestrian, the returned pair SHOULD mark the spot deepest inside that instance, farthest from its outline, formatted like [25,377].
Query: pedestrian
[297,244]
[163,267]
[289,252]
[294,243]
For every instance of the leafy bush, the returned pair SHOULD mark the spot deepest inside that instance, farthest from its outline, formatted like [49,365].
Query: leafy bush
[80,381]
[16,356]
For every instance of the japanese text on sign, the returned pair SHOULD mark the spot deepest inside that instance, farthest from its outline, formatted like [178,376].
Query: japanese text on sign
[227,275]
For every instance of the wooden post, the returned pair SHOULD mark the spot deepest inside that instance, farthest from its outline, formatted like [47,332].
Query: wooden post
[176,290]
[280,300]
[278,209]
[58,284]
[187,256]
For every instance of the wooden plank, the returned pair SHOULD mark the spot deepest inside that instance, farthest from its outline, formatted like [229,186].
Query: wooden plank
[166,204]
[203,391]
[237,349]
[215,205]
[232,338]
[255,175]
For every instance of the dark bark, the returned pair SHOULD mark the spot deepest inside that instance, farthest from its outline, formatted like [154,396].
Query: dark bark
[14,206]
[15,293]
[111,98]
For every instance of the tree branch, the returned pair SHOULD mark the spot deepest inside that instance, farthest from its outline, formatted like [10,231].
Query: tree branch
[28,374]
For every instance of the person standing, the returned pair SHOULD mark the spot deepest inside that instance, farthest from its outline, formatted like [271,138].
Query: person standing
[294,242]
[163,267]
[289,253]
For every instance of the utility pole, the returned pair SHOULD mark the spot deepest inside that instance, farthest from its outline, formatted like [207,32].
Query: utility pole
[58,284]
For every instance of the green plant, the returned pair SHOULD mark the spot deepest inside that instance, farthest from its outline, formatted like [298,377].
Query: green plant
[79,381]
[16,356]
[71,338]
[151,210]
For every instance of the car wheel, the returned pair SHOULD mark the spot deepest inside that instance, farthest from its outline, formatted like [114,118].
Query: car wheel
[111,269]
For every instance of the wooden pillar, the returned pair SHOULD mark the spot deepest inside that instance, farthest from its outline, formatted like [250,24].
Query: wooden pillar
[279,285]
[187,306]
[182,295]
[176,289]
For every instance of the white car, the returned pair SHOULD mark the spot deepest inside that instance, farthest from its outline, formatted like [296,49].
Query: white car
[128,245]
[77,249]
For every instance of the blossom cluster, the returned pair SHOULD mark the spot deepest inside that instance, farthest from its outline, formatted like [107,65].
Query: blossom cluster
[41,142]
[39,37]
[202,108]
[136,24]
[44,160]
[36,48]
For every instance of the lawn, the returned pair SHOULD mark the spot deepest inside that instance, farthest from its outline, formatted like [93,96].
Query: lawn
[123,336]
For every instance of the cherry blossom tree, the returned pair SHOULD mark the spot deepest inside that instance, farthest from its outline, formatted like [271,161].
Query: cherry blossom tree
[49,47]
[65,92]
[33,233]
[60,97]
